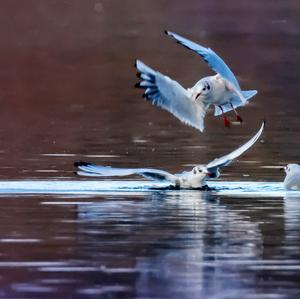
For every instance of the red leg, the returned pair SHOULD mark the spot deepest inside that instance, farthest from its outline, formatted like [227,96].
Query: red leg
[238,118]
[226,121]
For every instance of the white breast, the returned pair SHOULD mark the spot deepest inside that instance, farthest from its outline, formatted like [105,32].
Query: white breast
[292,181]
[190,180]
[219,95]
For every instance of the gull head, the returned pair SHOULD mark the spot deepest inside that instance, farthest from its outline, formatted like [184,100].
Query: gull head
[291,167]
[202,89]
[202,171]
[198,176]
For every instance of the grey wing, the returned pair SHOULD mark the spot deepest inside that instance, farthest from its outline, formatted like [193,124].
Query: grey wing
[168,94]
[215,62]
[225,160]
[89,169]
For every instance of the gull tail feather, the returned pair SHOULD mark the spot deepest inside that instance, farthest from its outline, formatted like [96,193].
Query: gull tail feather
[236,102]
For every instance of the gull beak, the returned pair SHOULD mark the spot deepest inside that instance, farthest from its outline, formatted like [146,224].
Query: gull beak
[198,95]
[209,174]
[282,168]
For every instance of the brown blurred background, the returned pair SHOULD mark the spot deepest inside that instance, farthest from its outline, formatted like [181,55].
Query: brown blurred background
[67,77]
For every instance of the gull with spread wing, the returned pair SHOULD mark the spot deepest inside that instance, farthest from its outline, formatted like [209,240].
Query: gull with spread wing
[196,178]
[190,105]
[292,179]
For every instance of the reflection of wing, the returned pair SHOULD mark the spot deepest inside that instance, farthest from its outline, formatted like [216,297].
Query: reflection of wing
[89,169]
[168,94]
[214,61]
[225,160]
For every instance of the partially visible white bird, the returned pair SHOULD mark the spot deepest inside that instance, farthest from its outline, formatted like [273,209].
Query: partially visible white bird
[196,178]
[189,105]
[292,179]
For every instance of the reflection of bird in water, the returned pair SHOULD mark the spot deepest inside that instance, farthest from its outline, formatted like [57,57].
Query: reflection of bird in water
[292,179]
[190,105]
[292,221]
[196,257]
[196,178]
[192,242]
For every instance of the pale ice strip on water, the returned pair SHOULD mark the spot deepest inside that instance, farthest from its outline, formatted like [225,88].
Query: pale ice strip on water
[235,189]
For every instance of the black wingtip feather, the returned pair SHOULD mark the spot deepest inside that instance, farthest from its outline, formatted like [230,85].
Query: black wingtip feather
[152,78]
[81,163]
[166,32]
[137,85]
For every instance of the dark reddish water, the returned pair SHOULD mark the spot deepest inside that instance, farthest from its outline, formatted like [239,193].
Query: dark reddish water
[66,93]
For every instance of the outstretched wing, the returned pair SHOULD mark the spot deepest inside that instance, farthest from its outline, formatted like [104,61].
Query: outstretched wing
[215,62]
[225,160]
[89,169]
[168,94]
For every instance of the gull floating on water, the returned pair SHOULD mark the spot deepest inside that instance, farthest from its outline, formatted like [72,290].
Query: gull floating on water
[196,178]
[190,105]
[292,179]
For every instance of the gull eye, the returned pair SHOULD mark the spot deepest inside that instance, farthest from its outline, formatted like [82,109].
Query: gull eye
[203,88]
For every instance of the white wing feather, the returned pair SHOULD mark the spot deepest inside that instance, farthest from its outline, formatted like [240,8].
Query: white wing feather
[214,61]
[168,94]
[89,169]
[227,159]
